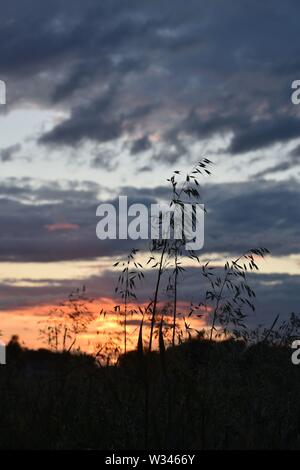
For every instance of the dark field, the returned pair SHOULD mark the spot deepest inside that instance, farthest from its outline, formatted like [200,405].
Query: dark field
[199,395]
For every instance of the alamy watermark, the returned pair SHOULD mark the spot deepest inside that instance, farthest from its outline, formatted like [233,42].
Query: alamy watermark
[296,354]
[2,92]
[2,353]
[137,221]
[295,96]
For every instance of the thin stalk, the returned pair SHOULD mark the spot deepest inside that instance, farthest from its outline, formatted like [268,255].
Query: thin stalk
[175,298]
[159,274]
[65,338]
[125,309]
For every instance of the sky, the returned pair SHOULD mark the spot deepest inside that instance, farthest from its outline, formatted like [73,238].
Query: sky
[109,98]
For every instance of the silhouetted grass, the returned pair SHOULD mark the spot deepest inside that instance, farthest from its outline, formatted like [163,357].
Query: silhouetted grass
[238,393]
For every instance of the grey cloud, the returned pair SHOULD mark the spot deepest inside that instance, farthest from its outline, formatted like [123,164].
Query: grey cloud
[295,152]
[104,159]
[7,154]
[263,133]
[287,162]
[246,215]
[54,223]
[140,145]
[239,217]
[89,121]
[253,214]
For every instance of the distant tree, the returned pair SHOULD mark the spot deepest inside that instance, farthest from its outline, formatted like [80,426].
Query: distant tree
[14,348]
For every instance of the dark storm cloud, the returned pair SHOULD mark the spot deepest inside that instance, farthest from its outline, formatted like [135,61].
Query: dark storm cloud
[209,67]
[90,121]
[53,223]
[141,145]
[246,215]
[264,133]
[253,214]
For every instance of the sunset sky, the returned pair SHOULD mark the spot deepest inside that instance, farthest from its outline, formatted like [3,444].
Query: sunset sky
[109,98]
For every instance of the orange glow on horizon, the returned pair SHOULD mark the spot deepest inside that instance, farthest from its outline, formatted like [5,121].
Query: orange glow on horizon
[27,322]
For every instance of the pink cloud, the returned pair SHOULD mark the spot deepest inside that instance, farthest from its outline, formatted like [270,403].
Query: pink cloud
[61,227]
